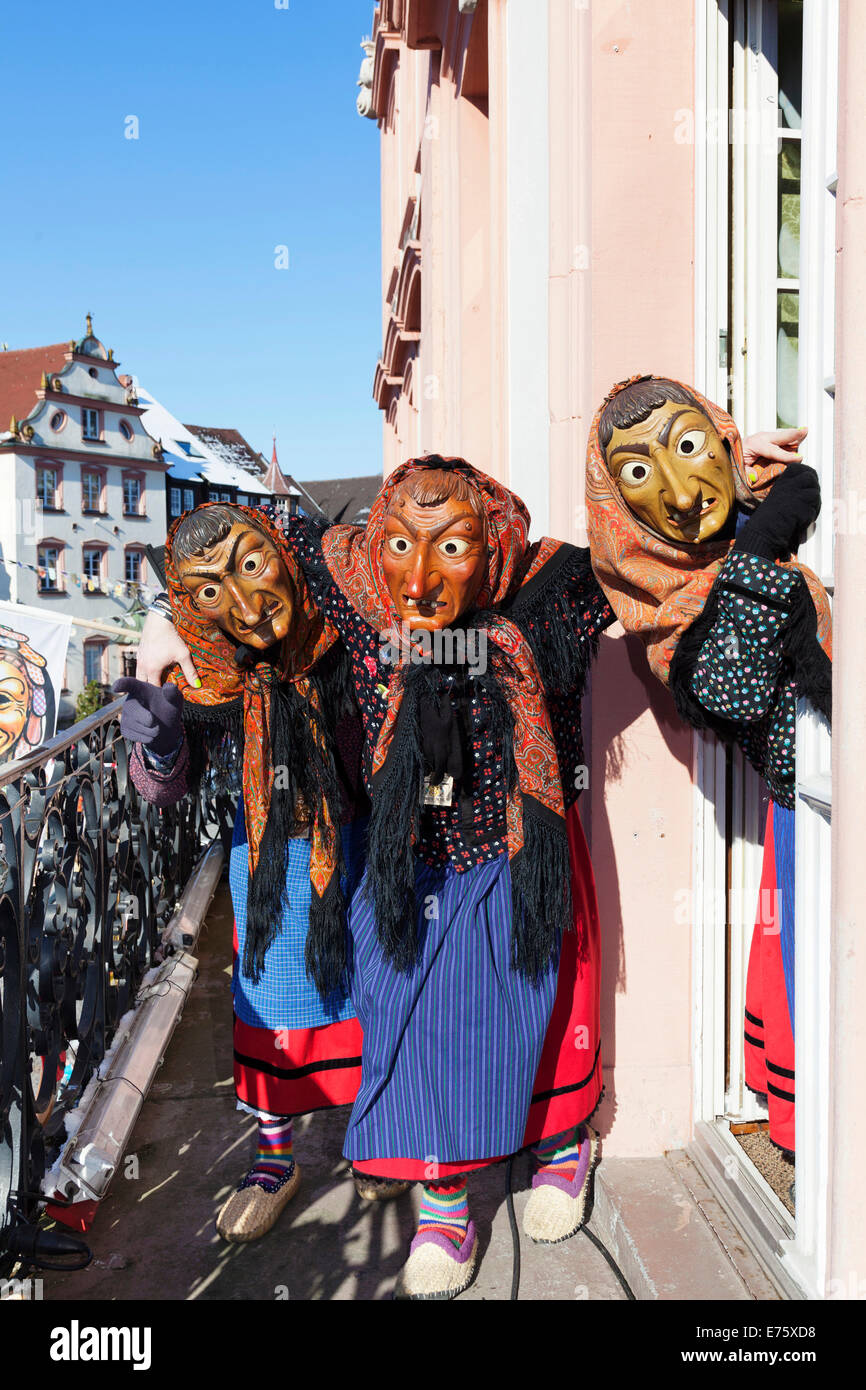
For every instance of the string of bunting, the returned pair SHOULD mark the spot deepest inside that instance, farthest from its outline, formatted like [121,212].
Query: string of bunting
[113,588]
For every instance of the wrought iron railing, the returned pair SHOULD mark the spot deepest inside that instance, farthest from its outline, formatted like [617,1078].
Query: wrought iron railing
[89,877]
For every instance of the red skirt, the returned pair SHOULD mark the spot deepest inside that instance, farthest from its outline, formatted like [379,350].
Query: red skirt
[568,1082]
[768,1037]
[294,1071]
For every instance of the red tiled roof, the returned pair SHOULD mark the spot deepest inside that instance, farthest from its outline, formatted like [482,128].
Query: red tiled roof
[21,376]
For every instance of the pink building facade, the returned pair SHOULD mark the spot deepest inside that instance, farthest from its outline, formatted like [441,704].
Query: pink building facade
[574,191]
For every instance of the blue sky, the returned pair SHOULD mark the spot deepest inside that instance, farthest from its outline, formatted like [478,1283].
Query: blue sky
[248,140]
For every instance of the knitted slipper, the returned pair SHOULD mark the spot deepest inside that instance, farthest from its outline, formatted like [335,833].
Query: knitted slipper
[251,1210]
[378,1189]
[436,1268]
[557,1208]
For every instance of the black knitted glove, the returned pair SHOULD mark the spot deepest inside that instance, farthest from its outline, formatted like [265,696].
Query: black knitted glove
[776,527]
[151,715]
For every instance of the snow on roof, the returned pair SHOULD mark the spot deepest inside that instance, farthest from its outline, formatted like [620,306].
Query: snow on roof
[230,446]
[188,456]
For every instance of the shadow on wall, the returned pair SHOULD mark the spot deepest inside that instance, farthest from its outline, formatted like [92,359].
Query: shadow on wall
[623,674]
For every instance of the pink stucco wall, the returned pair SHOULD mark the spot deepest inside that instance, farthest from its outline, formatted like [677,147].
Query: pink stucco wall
[620,300]
[643,806]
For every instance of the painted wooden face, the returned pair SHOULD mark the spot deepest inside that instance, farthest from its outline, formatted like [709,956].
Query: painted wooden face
[242,583]
[434,558]
[14,706]
[674,472]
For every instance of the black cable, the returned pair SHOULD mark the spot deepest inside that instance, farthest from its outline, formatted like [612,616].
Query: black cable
[515,1242]
[515,1234]
[611,1261]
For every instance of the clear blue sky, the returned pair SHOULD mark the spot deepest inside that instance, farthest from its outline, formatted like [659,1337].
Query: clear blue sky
[248,139]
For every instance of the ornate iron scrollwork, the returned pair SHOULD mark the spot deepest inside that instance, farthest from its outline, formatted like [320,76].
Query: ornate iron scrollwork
[89,877]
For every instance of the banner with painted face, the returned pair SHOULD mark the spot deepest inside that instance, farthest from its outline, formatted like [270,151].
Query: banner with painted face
[32,657]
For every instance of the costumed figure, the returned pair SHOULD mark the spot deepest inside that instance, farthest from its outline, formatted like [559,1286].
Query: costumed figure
[693,548]
[475,935]
[271,691]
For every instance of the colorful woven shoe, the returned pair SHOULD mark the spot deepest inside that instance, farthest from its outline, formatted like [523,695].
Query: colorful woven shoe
[378,1189]
[251,1210]
[436,1268]
[557,1208]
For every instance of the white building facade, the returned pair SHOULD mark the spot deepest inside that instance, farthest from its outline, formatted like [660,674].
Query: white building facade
[82,495]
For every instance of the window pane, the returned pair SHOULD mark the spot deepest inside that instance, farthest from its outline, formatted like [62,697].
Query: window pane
[174,502]
[787,344]
[46,486]
[93,663]
[790,65]
[789,210]
[188,502]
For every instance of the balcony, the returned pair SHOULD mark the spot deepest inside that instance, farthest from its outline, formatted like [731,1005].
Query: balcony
[112,1170]
[94,964]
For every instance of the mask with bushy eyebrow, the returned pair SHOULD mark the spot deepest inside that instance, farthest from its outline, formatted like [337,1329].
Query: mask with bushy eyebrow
[670,465]
[235,575]
[435,549]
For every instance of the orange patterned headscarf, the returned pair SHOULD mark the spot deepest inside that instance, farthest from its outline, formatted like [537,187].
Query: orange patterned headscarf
[250,688]
[354,558]
[658,588]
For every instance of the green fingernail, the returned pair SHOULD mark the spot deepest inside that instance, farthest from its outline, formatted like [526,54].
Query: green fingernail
[197,683]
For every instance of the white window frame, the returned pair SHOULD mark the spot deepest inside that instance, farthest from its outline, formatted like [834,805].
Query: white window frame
[127,479]
[188,499]
[90,424]
[42,471]
[175,505]
[127,556]
[792,1251]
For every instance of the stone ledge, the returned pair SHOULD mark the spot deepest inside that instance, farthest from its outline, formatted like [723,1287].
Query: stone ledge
[659,1236]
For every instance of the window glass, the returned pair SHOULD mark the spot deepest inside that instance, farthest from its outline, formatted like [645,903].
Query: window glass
[90,424]
[790,62]
[131,495]
[48,559]
[46,486]
[91,489]
[92,562]
[93,653]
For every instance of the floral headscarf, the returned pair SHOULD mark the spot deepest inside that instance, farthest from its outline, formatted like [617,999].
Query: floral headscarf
[657,587]
[257,690]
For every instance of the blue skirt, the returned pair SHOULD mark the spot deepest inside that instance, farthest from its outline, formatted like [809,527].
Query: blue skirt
[285,997]
[451,1048]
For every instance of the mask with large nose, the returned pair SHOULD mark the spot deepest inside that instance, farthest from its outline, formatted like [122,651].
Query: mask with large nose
[434,551]
[241,582]
[674,472]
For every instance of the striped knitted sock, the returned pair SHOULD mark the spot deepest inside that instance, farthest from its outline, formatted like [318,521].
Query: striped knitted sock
[444,1207]
[560,1154]
[274,1158]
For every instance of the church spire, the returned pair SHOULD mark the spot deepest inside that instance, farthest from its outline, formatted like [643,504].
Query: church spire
[274,480]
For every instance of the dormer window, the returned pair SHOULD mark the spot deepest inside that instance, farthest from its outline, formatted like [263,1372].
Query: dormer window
[90,424]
